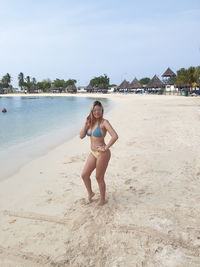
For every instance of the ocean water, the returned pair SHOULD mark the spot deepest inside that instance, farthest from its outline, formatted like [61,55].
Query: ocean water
[33,125]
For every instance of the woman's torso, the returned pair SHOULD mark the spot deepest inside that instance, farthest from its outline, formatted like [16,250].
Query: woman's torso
[97,134]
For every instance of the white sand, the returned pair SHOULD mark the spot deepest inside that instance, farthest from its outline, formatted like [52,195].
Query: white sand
[152,217]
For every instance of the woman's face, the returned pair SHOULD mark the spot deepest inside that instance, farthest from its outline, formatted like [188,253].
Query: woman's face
[97,112]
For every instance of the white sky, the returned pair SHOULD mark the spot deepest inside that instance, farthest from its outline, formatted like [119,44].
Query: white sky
[82,39]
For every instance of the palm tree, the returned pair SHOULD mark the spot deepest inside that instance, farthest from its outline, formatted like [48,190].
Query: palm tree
[34,80]
[28,79]
[6,80]
[28,83]
[21,80]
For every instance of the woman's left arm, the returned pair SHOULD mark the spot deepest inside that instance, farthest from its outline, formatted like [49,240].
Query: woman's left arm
[112,132]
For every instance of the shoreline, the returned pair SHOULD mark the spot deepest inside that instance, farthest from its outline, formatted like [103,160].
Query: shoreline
[152,191]
[58,94]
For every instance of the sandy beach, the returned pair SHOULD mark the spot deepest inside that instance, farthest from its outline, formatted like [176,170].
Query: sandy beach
[152,217]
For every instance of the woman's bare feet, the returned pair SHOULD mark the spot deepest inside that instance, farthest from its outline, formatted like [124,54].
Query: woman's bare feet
[90,196]
[101,202]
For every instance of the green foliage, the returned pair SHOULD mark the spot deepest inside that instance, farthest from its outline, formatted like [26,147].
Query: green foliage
[59,83]
[40,85]
[70,82]
[6,80]
[101,81]
[112,85]
[144,81]
[197,74]
[45,85]
[187,77]
[63,84]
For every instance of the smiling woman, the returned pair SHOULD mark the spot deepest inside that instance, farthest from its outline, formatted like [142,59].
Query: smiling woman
[96,127]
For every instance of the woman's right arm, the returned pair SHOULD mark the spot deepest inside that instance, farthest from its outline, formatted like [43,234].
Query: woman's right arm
[84,130]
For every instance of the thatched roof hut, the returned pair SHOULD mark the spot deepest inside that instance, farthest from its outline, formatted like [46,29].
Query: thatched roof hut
[72,88]
[103,88]
[123,85]
[168,77]
[135,84]
[33,89]
[155,82]
[89,88]
[168,73]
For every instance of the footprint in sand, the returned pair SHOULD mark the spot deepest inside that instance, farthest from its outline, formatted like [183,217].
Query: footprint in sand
[128,181]
[67,190]
[63,175]
[49,200]
[131,188]
[139,192]
[76,159]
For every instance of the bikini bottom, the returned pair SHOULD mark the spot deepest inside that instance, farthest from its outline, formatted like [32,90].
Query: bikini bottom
[95,153]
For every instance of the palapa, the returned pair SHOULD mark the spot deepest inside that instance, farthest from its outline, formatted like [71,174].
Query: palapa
[155,82]
[71,88]
[89,88]
[123,85]
[168,73]
[135,84]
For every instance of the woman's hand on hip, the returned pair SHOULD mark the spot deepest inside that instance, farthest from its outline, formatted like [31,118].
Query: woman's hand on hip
[102,148]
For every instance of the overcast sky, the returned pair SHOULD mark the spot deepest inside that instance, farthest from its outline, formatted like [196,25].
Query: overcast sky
[82,39]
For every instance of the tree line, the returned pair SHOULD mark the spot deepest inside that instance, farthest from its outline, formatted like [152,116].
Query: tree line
[185,77]
[28,83]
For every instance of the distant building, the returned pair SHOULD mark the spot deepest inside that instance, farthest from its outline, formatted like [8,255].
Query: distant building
[168,79]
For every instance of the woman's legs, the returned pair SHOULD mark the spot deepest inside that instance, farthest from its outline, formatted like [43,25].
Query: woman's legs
[87,170]
[101,166]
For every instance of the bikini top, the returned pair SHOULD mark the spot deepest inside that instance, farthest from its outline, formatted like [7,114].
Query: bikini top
[97,132]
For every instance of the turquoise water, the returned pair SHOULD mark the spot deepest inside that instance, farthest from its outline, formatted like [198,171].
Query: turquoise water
[35,124]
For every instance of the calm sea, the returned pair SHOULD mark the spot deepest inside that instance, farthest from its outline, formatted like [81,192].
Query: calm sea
[33,125]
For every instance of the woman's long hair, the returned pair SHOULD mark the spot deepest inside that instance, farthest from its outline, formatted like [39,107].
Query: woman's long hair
[90,118]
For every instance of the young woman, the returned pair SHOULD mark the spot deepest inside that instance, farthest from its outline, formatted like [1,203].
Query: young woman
[96,127]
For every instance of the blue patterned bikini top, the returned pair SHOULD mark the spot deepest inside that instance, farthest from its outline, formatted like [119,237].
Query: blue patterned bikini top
[97,132]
